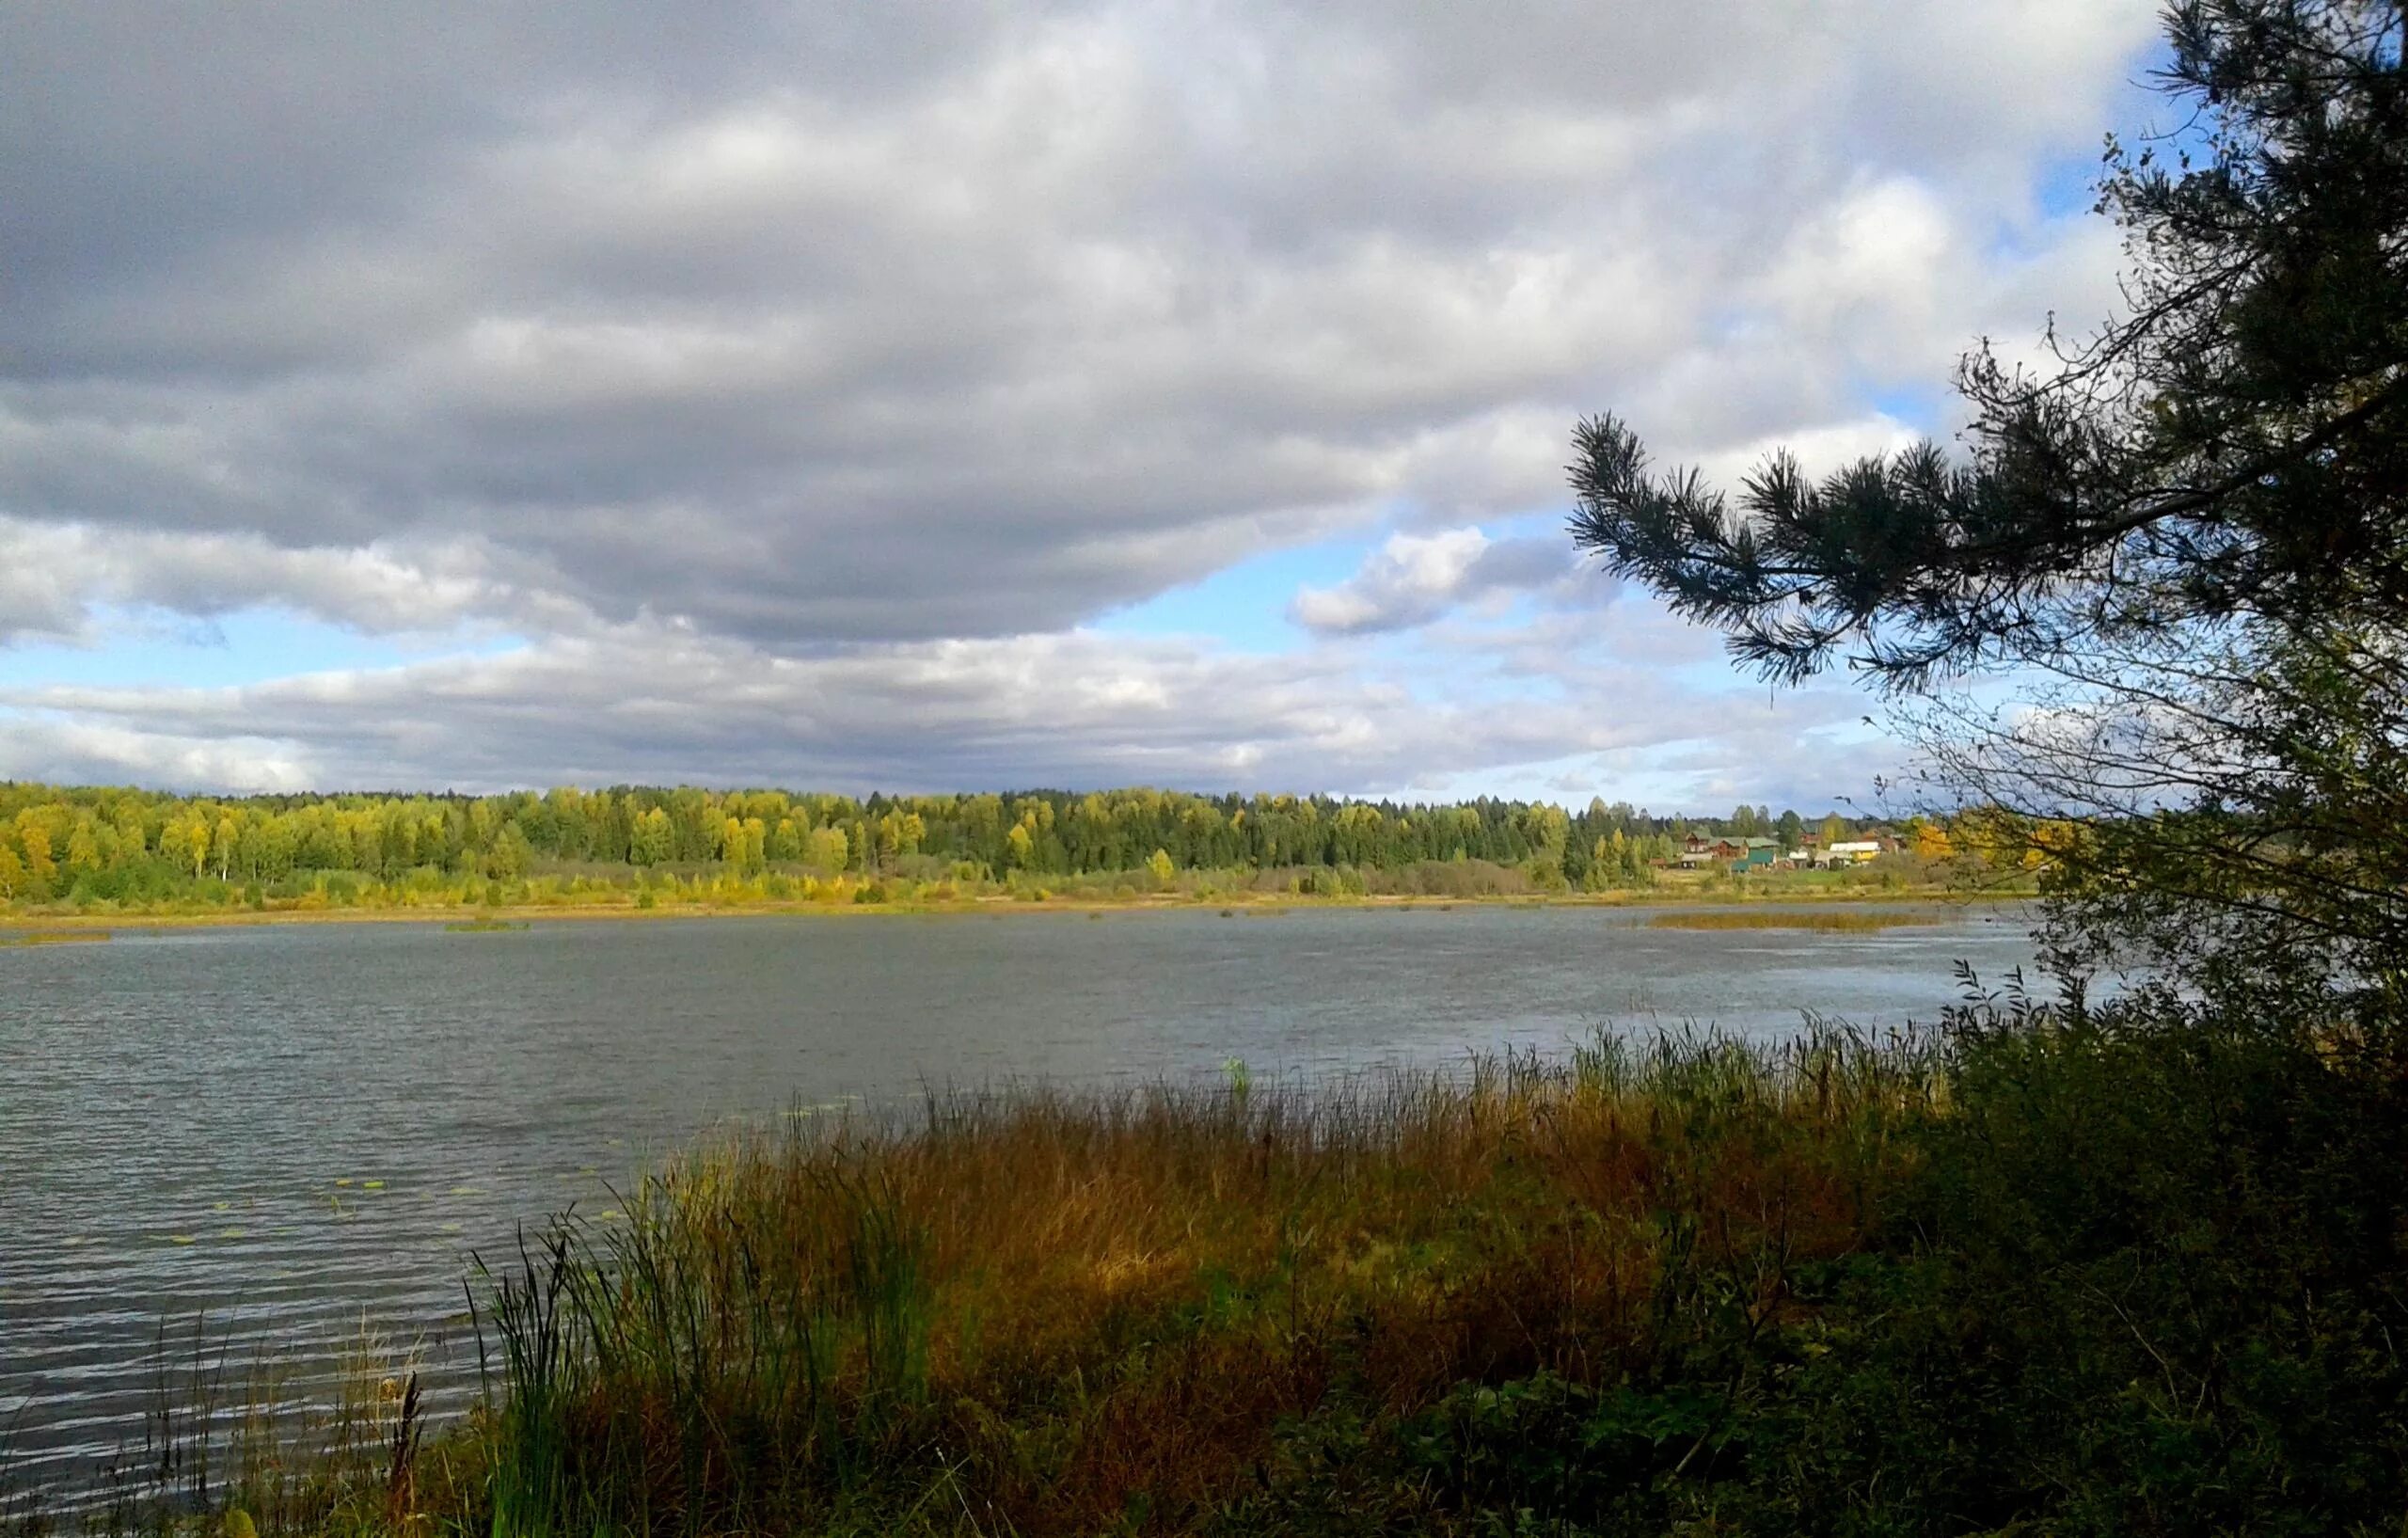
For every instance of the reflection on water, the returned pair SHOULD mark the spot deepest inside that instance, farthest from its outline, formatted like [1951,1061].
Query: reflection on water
[283,1131]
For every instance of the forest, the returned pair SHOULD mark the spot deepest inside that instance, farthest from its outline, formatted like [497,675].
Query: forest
[123,849]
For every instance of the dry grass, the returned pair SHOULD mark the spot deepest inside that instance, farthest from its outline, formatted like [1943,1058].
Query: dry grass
[1061,1310]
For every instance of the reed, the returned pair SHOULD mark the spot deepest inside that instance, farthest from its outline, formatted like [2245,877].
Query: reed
[254,1437]
[56,937]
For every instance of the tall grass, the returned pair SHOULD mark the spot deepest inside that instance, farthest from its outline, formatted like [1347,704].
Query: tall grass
[1049,1312]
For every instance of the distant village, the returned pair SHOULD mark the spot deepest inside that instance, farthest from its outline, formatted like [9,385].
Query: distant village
[1723,851]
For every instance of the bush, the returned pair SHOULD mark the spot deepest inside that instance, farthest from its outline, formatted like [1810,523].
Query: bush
[1449,879]
[2147,1277]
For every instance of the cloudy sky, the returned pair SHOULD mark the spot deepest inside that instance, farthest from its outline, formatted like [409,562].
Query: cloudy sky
[956,396]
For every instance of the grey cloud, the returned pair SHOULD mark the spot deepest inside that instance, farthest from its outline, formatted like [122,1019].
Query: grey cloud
[232,127]
[818,327]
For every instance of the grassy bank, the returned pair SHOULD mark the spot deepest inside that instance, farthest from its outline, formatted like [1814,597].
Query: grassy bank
[1676,892]
[2134,1273]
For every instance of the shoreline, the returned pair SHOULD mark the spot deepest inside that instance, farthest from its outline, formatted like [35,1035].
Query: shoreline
[1232,905]
[1255,1247]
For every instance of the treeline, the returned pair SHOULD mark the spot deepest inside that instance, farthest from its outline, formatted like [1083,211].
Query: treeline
[82,846]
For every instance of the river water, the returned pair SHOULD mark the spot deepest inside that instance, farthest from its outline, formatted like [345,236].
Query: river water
[246,1135]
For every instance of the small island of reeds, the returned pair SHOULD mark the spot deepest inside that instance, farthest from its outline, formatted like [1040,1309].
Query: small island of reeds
[1830,920]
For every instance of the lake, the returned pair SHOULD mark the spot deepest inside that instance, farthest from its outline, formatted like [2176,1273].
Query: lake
[278,1130]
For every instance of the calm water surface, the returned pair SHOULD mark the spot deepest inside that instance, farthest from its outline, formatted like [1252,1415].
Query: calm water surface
[281,1131]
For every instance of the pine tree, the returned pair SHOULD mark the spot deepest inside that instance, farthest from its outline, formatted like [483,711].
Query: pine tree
[2188,544]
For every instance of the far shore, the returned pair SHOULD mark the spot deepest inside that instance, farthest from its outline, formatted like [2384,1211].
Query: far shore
[1259,904]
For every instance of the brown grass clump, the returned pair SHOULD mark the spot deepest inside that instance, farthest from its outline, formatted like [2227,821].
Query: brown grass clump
[1796,918]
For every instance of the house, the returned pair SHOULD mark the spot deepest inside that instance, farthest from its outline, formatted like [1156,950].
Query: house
[1703,850]
[1854,851]
[1700,850]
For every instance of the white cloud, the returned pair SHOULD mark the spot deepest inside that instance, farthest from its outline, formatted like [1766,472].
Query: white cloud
[1819,450]
[650,702]
[54,575]
[71,752]
[1414,579]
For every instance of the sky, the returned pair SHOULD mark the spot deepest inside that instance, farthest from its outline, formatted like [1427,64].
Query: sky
[959,397]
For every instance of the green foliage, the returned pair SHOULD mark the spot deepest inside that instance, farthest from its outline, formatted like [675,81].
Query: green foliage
[2146,1276]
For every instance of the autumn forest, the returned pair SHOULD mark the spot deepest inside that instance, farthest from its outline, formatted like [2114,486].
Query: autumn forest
[121,850]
